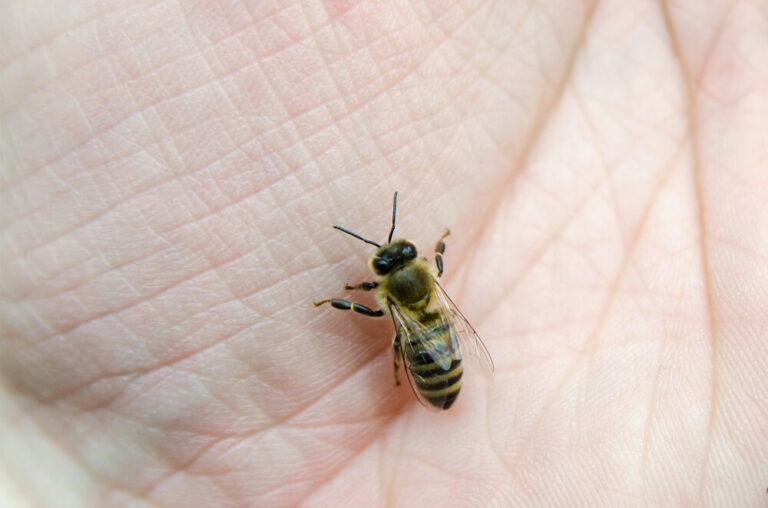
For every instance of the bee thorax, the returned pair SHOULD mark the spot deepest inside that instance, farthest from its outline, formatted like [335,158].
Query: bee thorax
[410,286]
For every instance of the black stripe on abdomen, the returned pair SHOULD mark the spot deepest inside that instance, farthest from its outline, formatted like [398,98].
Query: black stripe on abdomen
[438,387]
[441,388]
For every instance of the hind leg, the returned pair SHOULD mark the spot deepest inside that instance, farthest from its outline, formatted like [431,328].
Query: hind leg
[396,362]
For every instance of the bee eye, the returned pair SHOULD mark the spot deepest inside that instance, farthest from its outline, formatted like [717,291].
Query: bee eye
[381,265]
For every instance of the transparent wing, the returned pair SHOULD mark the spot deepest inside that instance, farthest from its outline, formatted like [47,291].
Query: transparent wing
[419,352]
[420,340]
[470,342]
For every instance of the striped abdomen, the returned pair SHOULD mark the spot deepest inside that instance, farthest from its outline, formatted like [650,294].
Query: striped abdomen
[436,384]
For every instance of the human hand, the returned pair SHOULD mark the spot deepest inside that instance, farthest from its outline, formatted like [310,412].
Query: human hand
[170,175]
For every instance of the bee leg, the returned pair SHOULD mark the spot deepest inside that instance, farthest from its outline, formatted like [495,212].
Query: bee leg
[365,286]
[396,362]
[439,251]
[347,305]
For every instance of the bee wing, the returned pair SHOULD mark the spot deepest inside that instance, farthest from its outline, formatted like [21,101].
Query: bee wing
[470,341]
[412,345]
[413,333]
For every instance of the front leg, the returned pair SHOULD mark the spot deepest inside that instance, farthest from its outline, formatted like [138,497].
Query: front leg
[347,305]
[439,251]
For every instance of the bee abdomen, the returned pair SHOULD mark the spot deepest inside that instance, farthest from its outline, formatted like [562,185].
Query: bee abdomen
[438,387]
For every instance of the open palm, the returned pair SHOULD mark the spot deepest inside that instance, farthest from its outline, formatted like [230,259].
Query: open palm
[170,176]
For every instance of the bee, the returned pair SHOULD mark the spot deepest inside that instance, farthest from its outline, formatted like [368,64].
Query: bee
[430,330]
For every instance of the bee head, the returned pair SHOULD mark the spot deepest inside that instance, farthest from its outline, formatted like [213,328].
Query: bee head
[392,256]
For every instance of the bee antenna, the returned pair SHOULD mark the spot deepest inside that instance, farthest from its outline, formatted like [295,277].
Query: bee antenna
[394,212]
[355,235]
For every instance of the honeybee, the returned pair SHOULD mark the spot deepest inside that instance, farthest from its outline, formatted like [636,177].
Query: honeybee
[430,329]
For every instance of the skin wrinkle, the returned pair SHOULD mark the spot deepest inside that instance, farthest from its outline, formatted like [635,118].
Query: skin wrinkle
[605,165]
[78,106]
[395,471]
[218,79]
[568,374]
[382,153]
[385,350]
[333,472]
[182,469]
[111,126]
[80,464]
[161,291]
[340,469]
[82,265]
[537,129]
[656,381]
[336,120]
[445,36]
[186,467]
[275,422]
[467,62]
[407,455]
[113,311]
[293,116]
[173,361]
[42,45]
[144,493]
[340,422]
[227,133]
[711,311]
[357,107]
[136,374]
[630,244]
[553,237]
[120,201]
[589,349]
[376,144]
[167,426]
[584,203]
[649,421]
[711,307]
[215,80]
[539,253]
[592,340]
[626,263]
[612,188]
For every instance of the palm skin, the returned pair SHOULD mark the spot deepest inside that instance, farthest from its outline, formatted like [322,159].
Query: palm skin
[170,175]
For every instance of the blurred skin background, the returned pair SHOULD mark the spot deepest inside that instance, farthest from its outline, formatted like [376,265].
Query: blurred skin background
[169,175]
